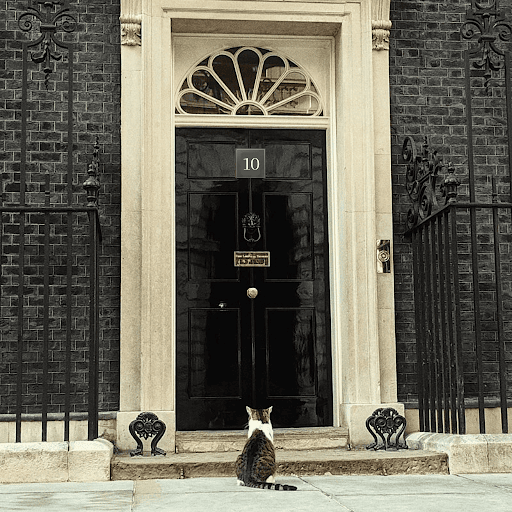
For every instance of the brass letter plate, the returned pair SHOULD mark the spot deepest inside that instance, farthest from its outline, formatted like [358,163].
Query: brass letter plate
[252,258]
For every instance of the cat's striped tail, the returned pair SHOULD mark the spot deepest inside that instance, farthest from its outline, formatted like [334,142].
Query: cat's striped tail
[267,485]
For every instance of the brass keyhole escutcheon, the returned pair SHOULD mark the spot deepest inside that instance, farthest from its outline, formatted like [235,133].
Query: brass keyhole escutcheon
[252,293]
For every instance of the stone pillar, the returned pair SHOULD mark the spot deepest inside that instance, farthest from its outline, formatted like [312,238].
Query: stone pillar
[368,353]
[147,360]
[383,197]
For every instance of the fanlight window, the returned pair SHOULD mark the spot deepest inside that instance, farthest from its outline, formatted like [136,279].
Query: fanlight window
[248,81]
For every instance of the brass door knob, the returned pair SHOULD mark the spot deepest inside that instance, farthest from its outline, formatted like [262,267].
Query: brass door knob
[252,293]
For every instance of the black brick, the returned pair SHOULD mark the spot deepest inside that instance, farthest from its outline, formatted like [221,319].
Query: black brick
[97,44]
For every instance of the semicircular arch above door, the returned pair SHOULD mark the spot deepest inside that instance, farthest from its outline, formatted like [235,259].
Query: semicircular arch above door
[248,81]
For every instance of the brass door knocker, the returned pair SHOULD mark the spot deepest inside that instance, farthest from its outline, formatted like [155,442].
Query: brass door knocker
[251,225]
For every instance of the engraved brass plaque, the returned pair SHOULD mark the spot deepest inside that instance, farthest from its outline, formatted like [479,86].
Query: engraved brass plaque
[252,258]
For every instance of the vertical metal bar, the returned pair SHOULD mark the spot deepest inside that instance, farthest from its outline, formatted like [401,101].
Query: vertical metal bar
[461,408]
[46,311]
[499,314]
[19,358]
[450,343]
[421,330]
[70,123]
[69,262]
[69,317]
[444,345]
[420,353]
[469,123]
[430,327]
[436,341]
[508,93]
[477,318]
[23,171]
[474,246]
[93,327]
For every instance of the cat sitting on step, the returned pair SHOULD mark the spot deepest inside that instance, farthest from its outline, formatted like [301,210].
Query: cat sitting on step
[256,465]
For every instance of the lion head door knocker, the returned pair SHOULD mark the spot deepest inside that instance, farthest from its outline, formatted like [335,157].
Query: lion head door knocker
[251,225]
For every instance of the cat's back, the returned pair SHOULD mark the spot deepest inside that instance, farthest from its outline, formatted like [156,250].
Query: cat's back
[258,449]
[259,444]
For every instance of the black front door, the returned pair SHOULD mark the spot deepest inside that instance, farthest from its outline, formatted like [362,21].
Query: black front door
[233,350]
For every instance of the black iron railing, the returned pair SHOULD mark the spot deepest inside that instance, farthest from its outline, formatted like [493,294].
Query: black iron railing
[38,383]
[49,244]
[461,250]
[460,314]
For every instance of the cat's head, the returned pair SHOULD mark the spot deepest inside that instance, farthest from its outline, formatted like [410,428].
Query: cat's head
[262,415]
[260,419]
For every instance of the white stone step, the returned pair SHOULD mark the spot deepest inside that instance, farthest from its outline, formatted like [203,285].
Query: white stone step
[312,438]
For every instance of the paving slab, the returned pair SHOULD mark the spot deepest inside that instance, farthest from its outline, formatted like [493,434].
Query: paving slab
[398,493]
[500,480]
[208,485]
[51,501]
[255,500]
[67,487]
[394,485]
[427,503]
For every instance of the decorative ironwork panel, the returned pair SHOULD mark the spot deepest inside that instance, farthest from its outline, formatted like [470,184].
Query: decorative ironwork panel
[51,16]
[386,423]
[147,425]
[422,177]
[485,24]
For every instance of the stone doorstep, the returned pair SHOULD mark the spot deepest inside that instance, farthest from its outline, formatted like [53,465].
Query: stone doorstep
[301,463]
[316,438]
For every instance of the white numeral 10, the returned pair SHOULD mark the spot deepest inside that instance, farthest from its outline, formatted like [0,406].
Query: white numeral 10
[255,164]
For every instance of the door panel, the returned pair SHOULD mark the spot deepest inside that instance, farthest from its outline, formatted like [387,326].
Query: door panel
[234,351]
[214,353]
[288,232]
[213,230]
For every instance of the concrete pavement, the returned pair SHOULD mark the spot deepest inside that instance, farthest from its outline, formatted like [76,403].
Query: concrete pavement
[400,493]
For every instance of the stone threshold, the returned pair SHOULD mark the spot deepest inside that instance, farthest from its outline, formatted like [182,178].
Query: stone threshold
[289,462]
[311,438]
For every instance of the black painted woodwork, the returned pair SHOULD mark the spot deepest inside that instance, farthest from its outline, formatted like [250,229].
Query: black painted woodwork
[234,351]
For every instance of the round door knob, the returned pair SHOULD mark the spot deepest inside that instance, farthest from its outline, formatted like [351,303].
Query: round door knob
[252,293]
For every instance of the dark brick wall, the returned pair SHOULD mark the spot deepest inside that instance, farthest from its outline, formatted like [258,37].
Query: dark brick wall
[428,99]
[96,112]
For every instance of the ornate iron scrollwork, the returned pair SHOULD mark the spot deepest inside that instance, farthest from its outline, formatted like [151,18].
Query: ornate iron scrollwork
[147,425]
[421,177]
[49,23]
[251,225]
[386,423]
[421,180]
[92,184]
[485,23]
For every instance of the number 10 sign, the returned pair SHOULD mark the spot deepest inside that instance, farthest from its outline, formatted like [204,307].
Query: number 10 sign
[250,163]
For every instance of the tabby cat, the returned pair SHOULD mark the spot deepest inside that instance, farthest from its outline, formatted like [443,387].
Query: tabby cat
[256,465]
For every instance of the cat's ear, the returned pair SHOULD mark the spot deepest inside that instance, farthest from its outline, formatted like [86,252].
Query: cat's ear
[248,409]
[270,410]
